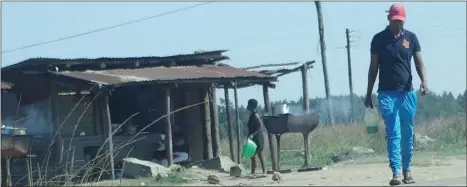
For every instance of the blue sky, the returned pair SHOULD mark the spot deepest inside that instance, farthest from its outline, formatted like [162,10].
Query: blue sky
[256,33]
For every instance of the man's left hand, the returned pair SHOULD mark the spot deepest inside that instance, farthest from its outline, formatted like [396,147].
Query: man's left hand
[424,88]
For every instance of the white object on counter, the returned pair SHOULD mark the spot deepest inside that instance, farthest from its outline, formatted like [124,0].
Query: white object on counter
[282,109]
[7,130]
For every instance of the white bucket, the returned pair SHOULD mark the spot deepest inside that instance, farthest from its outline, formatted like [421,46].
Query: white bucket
[282,109]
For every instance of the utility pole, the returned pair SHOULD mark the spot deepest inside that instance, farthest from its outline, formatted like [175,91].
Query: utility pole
[347,34]
[323,59]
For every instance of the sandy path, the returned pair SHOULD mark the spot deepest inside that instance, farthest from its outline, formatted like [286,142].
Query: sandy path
[357,173]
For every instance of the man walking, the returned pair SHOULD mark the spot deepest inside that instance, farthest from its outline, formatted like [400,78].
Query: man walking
[391,52]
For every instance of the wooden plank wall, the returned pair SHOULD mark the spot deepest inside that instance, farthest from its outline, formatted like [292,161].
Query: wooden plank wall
[66,103]
[193,124]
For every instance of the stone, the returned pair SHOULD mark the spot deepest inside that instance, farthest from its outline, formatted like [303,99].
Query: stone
[236,171]
[361,151]
[276,176]
[213,179]
[221,163]
[422,142]
[175,168]
[135,168]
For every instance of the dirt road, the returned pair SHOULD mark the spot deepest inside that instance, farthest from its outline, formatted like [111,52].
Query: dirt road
[362,173]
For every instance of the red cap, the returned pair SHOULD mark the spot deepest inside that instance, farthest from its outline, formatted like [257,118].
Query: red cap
[397,12]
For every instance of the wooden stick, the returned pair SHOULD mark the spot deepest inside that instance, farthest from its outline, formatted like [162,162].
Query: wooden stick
[272,65]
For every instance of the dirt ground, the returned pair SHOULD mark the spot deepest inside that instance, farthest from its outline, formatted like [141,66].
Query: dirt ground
[373,171]
[368,172]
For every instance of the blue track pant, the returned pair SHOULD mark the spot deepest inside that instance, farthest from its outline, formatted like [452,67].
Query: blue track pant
[398,111]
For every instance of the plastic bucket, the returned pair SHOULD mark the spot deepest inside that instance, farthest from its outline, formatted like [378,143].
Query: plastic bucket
[249,149]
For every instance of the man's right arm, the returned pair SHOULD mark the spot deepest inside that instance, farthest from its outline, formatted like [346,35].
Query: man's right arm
[373,69]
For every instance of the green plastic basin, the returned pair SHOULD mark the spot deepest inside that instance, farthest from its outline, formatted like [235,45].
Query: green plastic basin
[249,149]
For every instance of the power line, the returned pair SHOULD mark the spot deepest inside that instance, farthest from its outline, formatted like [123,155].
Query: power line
[106,28]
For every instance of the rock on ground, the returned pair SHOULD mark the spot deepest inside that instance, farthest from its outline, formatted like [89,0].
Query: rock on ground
[276,176]
[221,163]
[355,152]
[236,171]
[213,179]
[422,142]
[135,168]
[361,151]
[175,168]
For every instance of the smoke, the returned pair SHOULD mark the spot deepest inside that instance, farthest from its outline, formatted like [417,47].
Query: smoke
[33,117]
[341,106]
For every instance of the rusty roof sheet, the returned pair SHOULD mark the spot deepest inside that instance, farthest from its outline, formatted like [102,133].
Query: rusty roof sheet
[167,74]
[178,57]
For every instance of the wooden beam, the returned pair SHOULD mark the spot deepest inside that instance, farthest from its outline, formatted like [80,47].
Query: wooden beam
[207,122]
[168,127]
[215,123]
[271,138]
[229,121]
[237,115]
[108,123]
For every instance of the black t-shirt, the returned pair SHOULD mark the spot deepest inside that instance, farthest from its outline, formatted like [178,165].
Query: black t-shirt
[394,57]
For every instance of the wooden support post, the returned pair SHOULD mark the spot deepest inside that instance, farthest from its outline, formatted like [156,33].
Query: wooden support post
[271,138]
[168,127]
[306,108]
[58,150]
[95,113]
[8,171]
[229,121]
[306,98]
[216,149]
[108,125]
[207,123]
[237,116]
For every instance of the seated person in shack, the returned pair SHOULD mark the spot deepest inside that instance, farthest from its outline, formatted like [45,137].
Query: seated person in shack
[255,133]
[128,129]
[180,149]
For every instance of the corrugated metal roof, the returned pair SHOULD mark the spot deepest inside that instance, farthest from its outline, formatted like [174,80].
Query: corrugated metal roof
[166,74]
[47,61]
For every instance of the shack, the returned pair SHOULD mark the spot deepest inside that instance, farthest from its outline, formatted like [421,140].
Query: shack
[74,105]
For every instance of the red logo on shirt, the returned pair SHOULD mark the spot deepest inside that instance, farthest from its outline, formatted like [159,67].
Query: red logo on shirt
[405,43]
